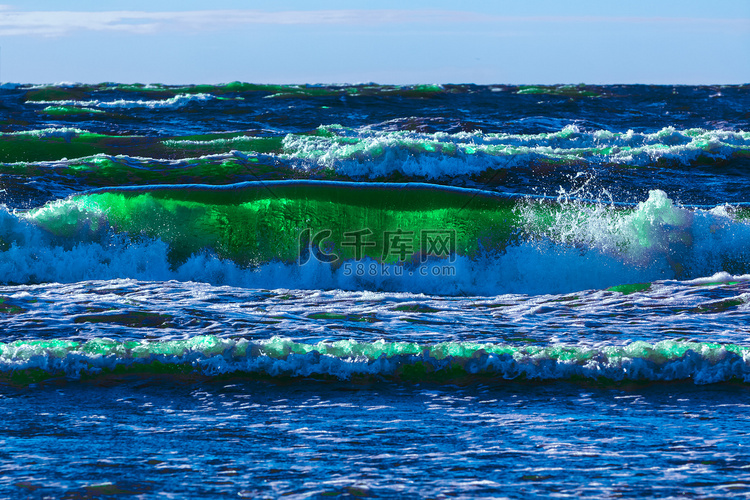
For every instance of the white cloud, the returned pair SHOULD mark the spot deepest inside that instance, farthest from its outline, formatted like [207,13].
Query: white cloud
[58,23]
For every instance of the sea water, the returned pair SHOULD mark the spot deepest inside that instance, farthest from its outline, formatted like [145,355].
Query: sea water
[307,291]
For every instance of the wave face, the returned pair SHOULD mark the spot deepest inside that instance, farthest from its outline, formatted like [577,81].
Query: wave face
[393,237]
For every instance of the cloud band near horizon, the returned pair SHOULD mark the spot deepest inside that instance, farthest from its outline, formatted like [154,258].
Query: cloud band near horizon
[60,23]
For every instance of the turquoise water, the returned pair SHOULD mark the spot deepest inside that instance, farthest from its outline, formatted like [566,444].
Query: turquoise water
[374,291]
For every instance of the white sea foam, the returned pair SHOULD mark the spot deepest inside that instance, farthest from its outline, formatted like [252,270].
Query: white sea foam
[277,357]
[367,153]
[177,101]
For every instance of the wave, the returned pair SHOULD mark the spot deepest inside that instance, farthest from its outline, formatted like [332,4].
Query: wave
[369,153]
[178,101]
[36,93]
[80,150]
[28,361]
[42,92]
[366,152]
[392,237]
[104,170]
[58,144]
[70,111]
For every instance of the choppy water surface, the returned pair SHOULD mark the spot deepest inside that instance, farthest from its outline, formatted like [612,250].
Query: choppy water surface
[265,439]
[374,291]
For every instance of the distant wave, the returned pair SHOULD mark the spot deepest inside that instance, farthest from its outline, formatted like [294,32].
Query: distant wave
[376,154]
[369,153]
[177,101]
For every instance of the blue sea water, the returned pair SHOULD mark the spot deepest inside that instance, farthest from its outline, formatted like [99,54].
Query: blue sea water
[305,291]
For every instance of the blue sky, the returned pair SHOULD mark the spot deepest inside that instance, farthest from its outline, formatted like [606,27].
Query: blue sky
[387,41]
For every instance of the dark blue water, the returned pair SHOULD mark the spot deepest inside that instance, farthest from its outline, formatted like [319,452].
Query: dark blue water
[261,440]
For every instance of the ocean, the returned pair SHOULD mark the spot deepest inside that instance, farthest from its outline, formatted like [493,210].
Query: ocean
[314,291]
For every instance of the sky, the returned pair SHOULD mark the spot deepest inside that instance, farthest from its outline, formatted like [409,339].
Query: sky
[384,41]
